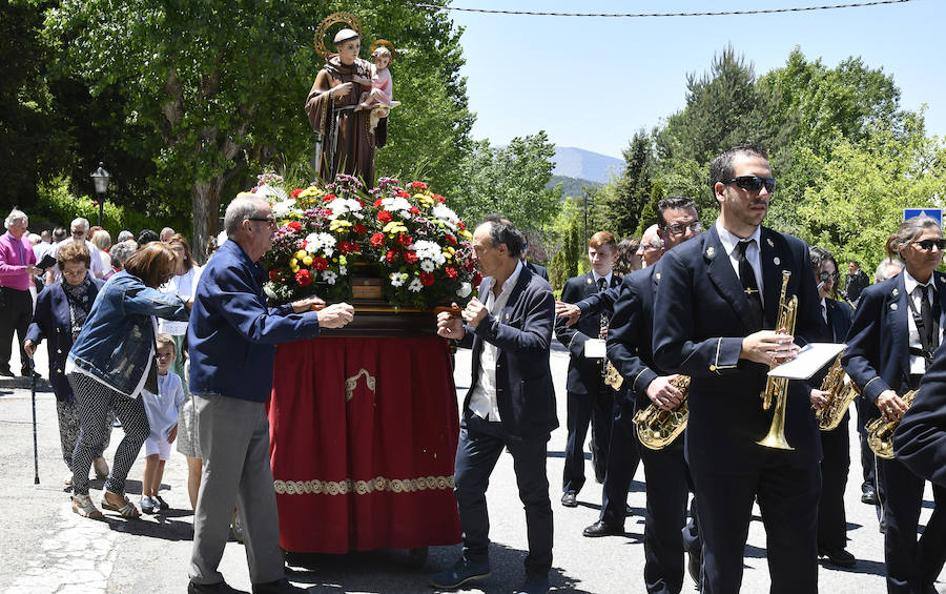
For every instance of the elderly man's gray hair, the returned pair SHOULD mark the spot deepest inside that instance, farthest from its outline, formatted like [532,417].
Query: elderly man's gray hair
[124,235]
[243,207]
[81,223]
[15,216]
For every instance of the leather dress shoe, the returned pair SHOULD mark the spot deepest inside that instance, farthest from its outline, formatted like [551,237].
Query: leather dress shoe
[839,557]
[570,499]
[462,572]
[534,584]
[278,587]
[6,373]
[602,528]
[218,588]
[869,496]
[695,568]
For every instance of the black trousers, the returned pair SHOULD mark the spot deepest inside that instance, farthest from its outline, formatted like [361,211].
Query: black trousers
[668,488]
[16,310]
[788,497]
[596,408]
[912,564]
[836,461]
[623,459]
[868,468]
[481,443]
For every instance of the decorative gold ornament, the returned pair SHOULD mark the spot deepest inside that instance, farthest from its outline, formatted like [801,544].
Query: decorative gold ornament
[383,42]
[335,18]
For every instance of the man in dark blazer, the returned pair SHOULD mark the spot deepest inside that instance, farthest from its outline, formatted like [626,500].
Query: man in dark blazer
[630,350]
[887,355]
[510,403]
[590,400]
[715,314]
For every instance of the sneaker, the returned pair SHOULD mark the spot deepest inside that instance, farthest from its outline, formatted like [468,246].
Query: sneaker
[162,504]
[460,574]
[82,505]
[101,468]
[148,505]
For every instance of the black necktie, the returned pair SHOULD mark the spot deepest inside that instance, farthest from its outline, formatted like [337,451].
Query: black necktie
[602,284]
[604,320]
[749,285]
[930,323]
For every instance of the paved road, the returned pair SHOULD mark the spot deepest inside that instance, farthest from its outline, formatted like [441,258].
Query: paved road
[44,548]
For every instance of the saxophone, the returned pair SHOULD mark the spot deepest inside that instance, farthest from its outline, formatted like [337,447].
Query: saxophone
[609,372]
[656,427]
[880,431]
[776,388]
[841,393]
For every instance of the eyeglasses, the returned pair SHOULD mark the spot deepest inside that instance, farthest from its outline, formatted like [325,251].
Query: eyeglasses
[268,220]
[753,183]
[681,228]
[927,244]
[825,276]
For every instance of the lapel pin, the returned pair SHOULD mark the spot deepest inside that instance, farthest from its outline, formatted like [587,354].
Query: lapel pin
[768,240]
[657,276]
[776,261]
[895,293]
[710,252]
[893,306]
[588,281]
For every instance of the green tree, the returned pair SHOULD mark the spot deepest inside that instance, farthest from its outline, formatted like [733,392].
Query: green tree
[566,242]
[619,207]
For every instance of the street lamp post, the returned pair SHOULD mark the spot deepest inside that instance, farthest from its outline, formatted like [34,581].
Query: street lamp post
[101,179]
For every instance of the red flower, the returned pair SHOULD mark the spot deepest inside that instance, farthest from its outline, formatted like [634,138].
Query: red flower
[461,226]
[274,275]
[403,194]
[405,239]
[295,193]
[359,229]
[377,203]
[304,278]
[477,279]
[347,247]
[411,257]
[295,225]
[329,197]
[417,185]
[426,279]
[415,210]
[319,263]
[451,271]
[377,239]
[390,256]
[450,239]
[439,198]
[384,216]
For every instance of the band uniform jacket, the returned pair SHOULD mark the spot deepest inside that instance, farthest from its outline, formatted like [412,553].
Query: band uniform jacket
[522,333]
[878,345]
[701,316]
[920,440]
[584,375]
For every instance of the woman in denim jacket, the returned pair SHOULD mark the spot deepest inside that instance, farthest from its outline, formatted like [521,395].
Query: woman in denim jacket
[110,363]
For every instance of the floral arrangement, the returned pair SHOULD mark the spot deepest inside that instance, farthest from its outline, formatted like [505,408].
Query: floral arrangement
[406,236]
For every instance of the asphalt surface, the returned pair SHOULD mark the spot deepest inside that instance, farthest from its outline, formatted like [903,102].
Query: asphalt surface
[44,548]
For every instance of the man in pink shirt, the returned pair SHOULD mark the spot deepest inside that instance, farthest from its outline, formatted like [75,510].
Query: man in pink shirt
[17,267]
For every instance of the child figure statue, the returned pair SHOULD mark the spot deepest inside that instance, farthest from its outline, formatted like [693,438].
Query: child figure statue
[379,99]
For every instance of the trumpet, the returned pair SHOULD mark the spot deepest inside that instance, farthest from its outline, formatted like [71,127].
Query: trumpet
[776,388]
[880,431]
[656,427]
[841,393]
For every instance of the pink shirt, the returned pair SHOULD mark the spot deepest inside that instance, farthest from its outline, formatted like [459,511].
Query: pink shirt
[16,255]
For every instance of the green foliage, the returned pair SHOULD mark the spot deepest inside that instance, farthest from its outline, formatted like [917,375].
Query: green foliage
[566,241]
[620,206]
[511,180]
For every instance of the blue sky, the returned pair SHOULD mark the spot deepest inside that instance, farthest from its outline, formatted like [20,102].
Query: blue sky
[591,83]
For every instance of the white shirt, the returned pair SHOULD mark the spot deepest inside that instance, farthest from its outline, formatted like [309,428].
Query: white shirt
[184,286]
[607,278]
[753,252]
[95,263]
[912,287]
[483,400]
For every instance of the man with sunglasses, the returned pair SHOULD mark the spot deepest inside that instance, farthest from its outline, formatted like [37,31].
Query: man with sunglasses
[715,313]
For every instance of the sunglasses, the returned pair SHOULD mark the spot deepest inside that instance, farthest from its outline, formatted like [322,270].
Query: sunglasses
[752,183]
[826,276]
[268,220]
[680,228]
[927,244]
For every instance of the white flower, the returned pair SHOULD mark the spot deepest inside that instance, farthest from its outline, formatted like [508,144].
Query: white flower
[446,214]
[341,206]
[272,192]
[343,270]
[329,276]
[415,286]
[396,204]
[397,279]
[427,265]
[464,291]
[283,209]
[320,241]
[429,250]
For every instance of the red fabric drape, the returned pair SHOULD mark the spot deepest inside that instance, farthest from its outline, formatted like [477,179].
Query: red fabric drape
[357,468]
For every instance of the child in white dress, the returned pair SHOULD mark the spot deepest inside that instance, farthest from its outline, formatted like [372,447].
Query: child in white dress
[163,409]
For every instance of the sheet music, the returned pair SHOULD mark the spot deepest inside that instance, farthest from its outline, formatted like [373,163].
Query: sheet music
[810,360]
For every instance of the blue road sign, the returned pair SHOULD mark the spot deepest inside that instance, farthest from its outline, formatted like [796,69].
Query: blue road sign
[933,213]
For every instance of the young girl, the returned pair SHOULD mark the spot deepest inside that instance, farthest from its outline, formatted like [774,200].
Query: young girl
[162,409]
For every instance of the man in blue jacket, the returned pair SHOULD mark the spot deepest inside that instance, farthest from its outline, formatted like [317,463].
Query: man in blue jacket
[232,335]
[510,404]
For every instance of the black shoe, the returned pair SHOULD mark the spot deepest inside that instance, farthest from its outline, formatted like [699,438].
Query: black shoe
[218,588]
[278,587]
[6,373]
[460,574]
[570,499]
[840,557]
[602,528]
[869,496]
[695,568]
[29,374]
[534,584]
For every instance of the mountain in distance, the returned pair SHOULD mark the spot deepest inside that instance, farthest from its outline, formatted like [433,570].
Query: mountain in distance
[585,165]
[572,186]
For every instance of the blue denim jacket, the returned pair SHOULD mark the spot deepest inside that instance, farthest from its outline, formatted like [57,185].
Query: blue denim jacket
[233,333]
[116,342]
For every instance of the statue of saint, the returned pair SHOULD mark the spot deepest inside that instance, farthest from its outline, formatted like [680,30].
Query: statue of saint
[345,140]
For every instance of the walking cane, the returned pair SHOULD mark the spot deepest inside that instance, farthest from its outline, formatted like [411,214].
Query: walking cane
[35,446]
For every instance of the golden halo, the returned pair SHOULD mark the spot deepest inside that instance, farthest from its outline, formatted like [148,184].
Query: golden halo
[383,42]
[335,18]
